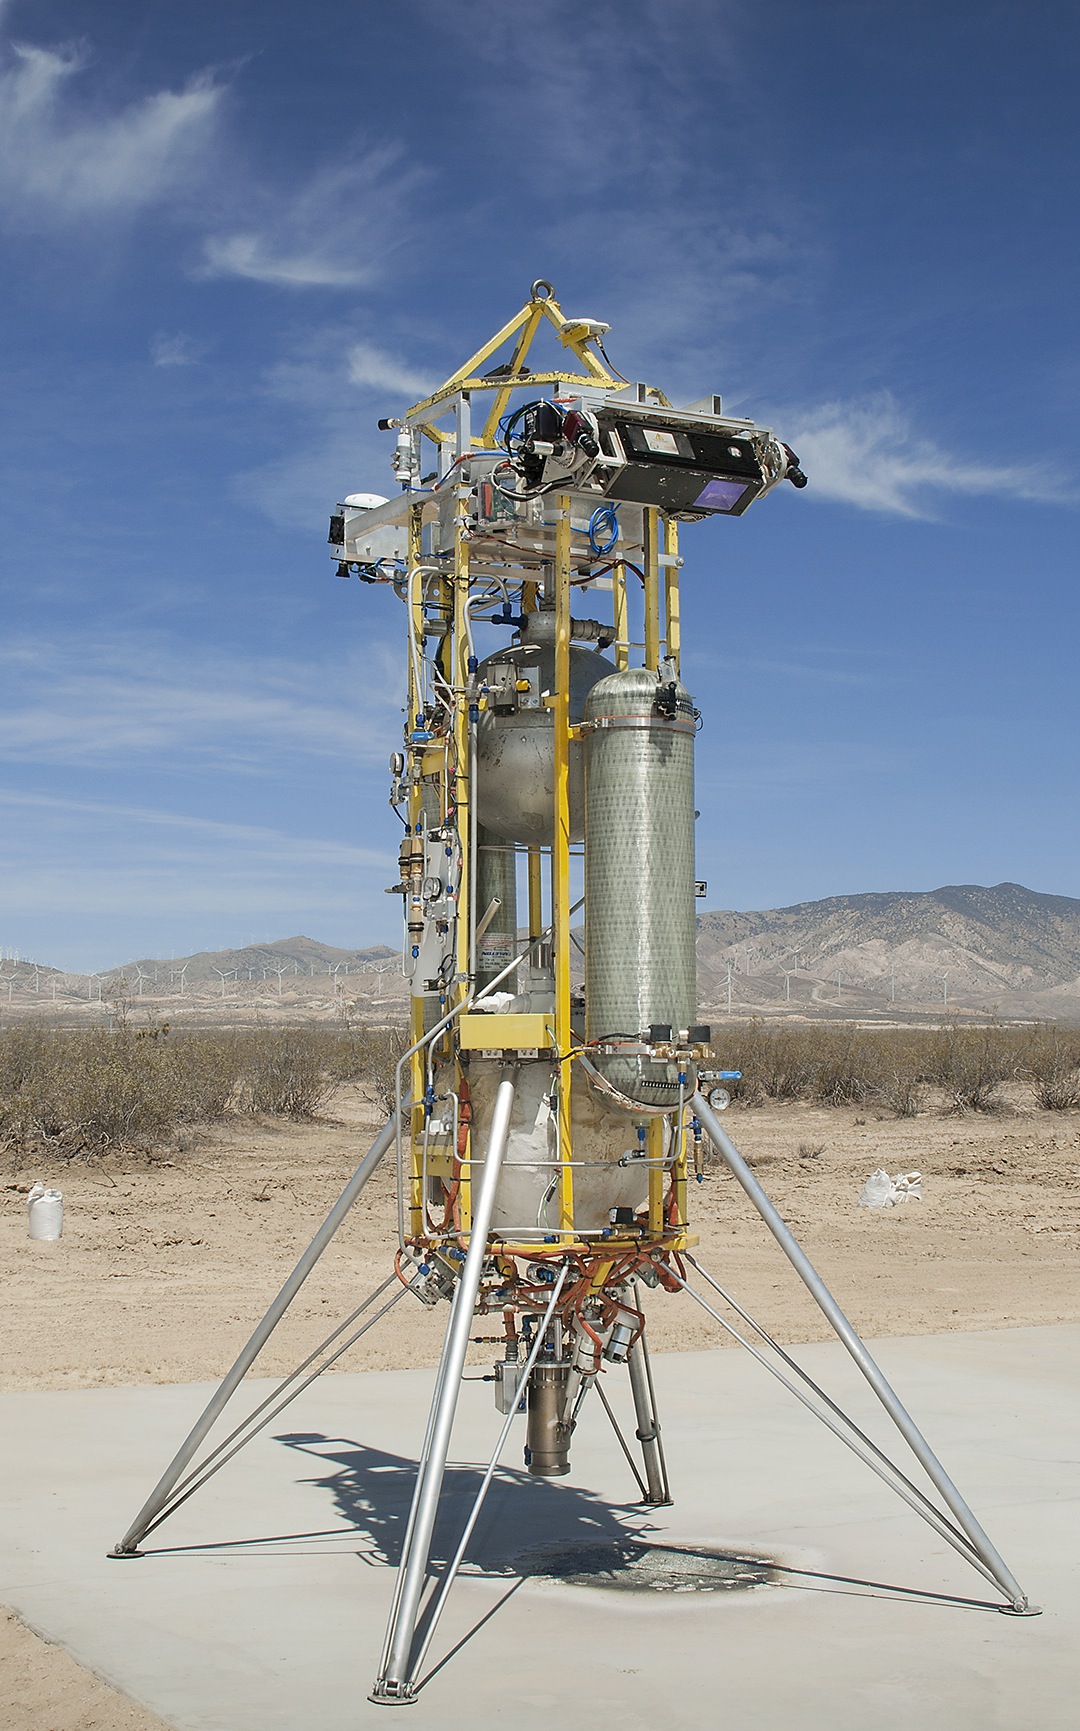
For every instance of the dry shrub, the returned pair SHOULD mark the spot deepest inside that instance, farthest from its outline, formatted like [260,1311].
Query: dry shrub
[369,1056]
[285,1072]
[894,1069]
[970,1065]
[1052,1065]
[78,1092]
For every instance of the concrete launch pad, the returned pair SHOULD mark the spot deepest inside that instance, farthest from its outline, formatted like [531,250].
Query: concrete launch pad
[263,1602]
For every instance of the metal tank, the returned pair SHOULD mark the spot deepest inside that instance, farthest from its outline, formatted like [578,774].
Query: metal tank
[639,878]
[515,735]
[610,1172]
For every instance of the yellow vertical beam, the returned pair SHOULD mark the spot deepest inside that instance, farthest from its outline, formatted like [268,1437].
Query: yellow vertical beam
[536,894]
[560,855]
[655,1150]
[678,1171]
[416,1005]
[622,618]
[652,586]
[672,630]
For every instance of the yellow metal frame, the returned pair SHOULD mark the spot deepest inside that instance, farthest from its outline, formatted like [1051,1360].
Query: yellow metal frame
[573,334]
[451,760]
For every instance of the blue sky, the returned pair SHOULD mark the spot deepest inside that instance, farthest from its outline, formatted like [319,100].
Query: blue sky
[236,235]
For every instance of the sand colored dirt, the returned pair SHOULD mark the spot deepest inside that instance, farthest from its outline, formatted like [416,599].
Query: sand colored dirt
[166,1264]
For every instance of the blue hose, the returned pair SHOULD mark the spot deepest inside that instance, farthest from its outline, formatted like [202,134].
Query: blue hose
[604,520]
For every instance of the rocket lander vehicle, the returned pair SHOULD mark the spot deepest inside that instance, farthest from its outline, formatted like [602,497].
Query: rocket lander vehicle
[547,1137]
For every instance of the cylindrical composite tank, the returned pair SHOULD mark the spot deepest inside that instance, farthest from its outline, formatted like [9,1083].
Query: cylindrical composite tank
[515,736]
[639,874]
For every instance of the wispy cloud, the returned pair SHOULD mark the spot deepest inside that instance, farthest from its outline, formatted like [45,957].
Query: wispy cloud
[867,453]
[131,700]
[62,860]
[303,849]
[338,230]
[175,349]
[325,383]
[61,160]
[373,369]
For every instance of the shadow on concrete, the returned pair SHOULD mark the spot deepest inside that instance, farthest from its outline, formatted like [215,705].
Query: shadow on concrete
[526,1523]
[372,1490]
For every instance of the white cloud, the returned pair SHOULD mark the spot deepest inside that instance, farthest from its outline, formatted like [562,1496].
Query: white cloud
[372,368]
[175,350]
[295,849]
[92,859]
[336,231]
[60,162]
[130,700]
[868,454]
[328,382]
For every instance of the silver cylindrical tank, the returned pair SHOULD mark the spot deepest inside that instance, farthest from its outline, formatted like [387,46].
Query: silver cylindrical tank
[609,1172]
[515,736]
[639,874]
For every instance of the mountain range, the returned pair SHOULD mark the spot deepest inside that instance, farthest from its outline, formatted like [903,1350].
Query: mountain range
[897,954]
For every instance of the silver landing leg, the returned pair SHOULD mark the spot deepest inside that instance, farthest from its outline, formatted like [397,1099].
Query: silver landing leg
[396,1682]
[159,1496]
[648,1424]
[976,1540]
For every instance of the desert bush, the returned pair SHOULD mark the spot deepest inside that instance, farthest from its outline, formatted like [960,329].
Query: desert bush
[1052,1065]
[895,1069]
[286,1072]
[81,1091]
[970,1065]
[901,1088]
[369,1056]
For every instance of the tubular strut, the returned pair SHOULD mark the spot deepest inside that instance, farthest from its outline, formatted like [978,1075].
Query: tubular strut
[162,1492]
[975,1544]
[397,1670]
[639,1365]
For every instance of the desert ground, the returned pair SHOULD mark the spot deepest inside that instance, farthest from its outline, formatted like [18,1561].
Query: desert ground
[166,1263]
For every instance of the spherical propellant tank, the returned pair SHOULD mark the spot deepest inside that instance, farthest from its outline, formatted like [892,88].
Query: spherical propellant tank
[640,922]
[515,736]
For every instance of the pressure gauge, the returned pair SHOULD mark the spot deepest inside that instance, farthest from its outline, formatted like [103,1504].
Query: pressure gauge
[719,1099]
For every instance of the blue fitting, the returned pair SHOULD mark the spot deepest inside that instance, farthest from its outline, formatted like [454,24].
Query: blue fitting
[415,951]
[551,1238]
[731,1075]
[474,714]
[700,1177]
[472,664]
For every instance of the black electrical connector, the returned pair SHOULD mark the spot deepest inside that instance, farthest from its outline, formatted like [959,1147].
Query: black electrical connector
[794,473]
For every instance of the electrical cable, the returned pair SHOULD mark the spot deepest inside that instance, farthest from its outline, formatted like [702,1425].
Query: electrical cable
[604,520]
